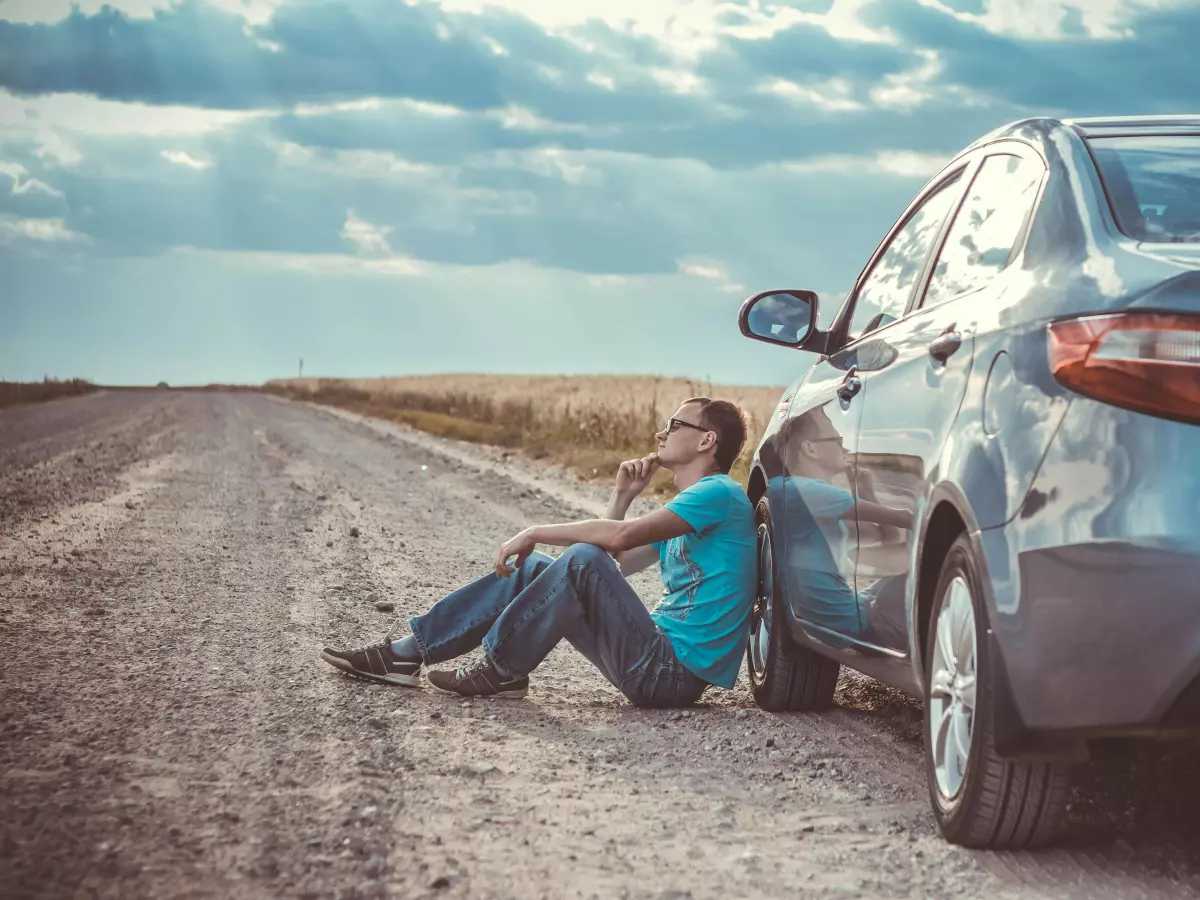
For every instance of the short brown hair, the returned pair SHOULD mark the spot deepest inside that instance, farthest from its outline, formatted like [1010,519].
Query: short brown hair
[729,422]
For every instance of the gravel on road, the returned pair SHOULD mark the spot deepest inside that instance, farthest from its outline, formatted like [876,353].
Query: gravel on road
[170,566]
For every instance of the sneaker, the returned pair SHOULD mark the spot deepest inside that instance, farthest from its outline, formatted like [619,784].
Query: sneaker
[375,662]
[478,680]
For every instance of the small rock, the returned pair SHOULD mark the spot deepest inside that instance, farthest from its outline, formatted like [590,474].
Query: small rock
[77,552]
[440,883]
[329,543]
[96,611]
[740,714]
[384,606]
[675,894]
[322,497]
[373,722]
[435,715]
[770,742]
[374,867]
[482,768]
[354,532]
[129,504]
[308,528]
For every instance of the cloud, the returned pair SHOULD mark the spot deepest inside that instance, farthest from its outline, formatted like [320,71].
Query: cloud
[903,163]
[41,230]
[1141,68]
[22,183]
[701,271]
[787,138]
[193,53]
[322,265]
[368,239]
[710,270]
[31,11]
[181,158]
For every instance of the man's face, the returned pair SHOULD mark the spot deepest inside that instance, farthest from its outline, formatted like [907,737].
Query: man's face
[682,444]
[823,449]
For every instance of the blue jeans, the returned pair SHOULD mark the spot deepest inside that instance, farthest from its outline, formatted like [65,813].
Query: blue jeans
[581,596]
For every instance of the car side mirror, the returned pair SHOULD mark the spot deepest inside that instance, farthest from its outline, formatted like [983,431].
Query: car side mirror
[786,318]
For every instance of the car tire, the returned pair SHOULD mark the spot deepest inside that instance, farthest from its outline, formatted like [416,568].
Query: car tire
[783,676]
[980,800]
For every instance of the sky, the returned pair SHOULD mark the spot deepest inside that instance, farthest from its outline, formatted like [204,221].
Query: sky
[199,191]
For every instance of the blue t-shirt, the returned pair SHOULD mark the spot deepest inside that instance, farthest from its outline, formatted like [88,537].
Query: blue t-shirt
[817,554]
[708,579]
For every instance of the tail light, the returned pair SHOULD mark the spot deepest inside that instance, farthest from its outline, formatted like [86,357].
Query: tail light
[1148,362]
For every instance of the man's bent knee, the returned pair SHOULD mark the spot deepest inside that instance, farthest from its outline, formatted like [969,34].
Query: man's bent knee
[585,553]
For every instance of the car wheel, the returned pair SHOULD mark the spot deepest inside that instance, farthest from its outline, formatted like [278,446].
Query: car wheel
[980,799]
[783,676]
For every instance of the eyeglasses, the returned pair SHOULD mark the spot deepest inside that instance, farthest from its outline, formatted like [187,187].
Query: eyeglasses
[674,425]
[841,441]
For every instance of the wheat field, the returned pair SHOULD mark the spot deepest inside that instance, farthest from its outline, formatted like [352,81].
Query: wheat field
[556,393]
[587,422]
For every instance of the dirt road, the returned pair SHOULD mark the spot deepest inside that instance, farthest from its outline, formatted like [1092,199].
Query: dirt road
[170,565]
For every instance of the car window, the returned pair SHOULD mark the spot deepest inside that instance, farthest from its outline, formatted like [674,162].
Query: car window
[981,238]
[886,289]
[1154,184]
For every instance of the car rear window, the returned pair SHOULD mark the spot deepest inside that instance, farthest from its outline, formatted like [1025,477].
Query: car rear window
[1153,184]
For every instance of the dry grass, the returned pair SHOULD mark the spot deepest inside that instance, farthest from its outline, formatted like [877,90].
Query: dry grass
[13,392]
[587,422]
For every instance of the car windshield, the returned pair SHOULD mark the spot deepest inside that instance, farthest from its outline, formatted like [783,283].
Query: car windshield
[1153,183]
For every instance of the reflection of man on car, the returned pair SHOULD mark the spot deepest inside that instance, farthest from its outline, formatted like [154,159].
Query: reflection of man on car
[818,552]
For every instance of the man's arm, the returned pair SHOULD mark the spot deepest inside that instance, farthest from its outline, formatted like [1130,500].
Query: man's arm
[613,535]
[630,561]
[884,515]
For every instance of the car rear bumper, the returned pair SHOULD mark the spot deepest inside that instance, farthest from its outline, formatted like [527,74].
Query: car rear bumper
[1096,583]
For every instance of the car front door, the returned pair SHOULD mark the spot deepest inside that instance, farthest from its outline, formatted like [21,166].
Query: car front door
[819,440]
[912,395]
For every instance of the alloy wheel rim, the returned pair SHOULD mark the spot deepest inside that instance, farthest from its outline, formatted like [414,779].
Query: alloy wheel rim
[951,705]
[760,638]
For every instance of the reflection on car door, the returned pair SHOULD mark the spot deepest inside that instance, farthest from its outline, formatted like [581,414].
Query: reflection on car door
[820,438]
[911,399]
[817,504]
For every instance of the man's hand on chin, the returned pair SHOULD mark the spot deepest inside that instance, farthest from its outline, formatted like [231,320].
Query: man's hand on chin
[634,475]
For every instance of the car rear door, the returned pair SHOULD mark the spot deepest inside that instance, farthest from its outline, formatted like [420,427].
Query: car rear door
[912,396]
[820,538]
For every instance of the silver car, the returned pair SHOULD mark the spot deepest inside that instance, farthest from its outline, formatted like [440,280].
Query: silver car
[986,489]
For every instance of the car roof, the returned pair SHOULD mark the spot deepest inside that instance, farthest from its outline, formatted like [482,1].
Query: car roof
[1118,125]
[1036,128]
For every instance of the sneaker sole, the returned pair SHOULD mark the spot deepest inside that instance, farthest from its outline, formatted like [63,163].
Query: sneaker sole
[398,680]
[518,694]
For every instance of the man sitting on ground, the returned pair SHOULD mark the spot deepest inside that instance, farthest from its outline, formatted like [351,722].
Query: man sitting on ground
[704,540]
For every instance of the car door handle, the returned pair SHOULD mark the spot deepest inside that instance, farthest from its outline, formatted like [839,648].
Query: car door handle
[945,345]
[849,388]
